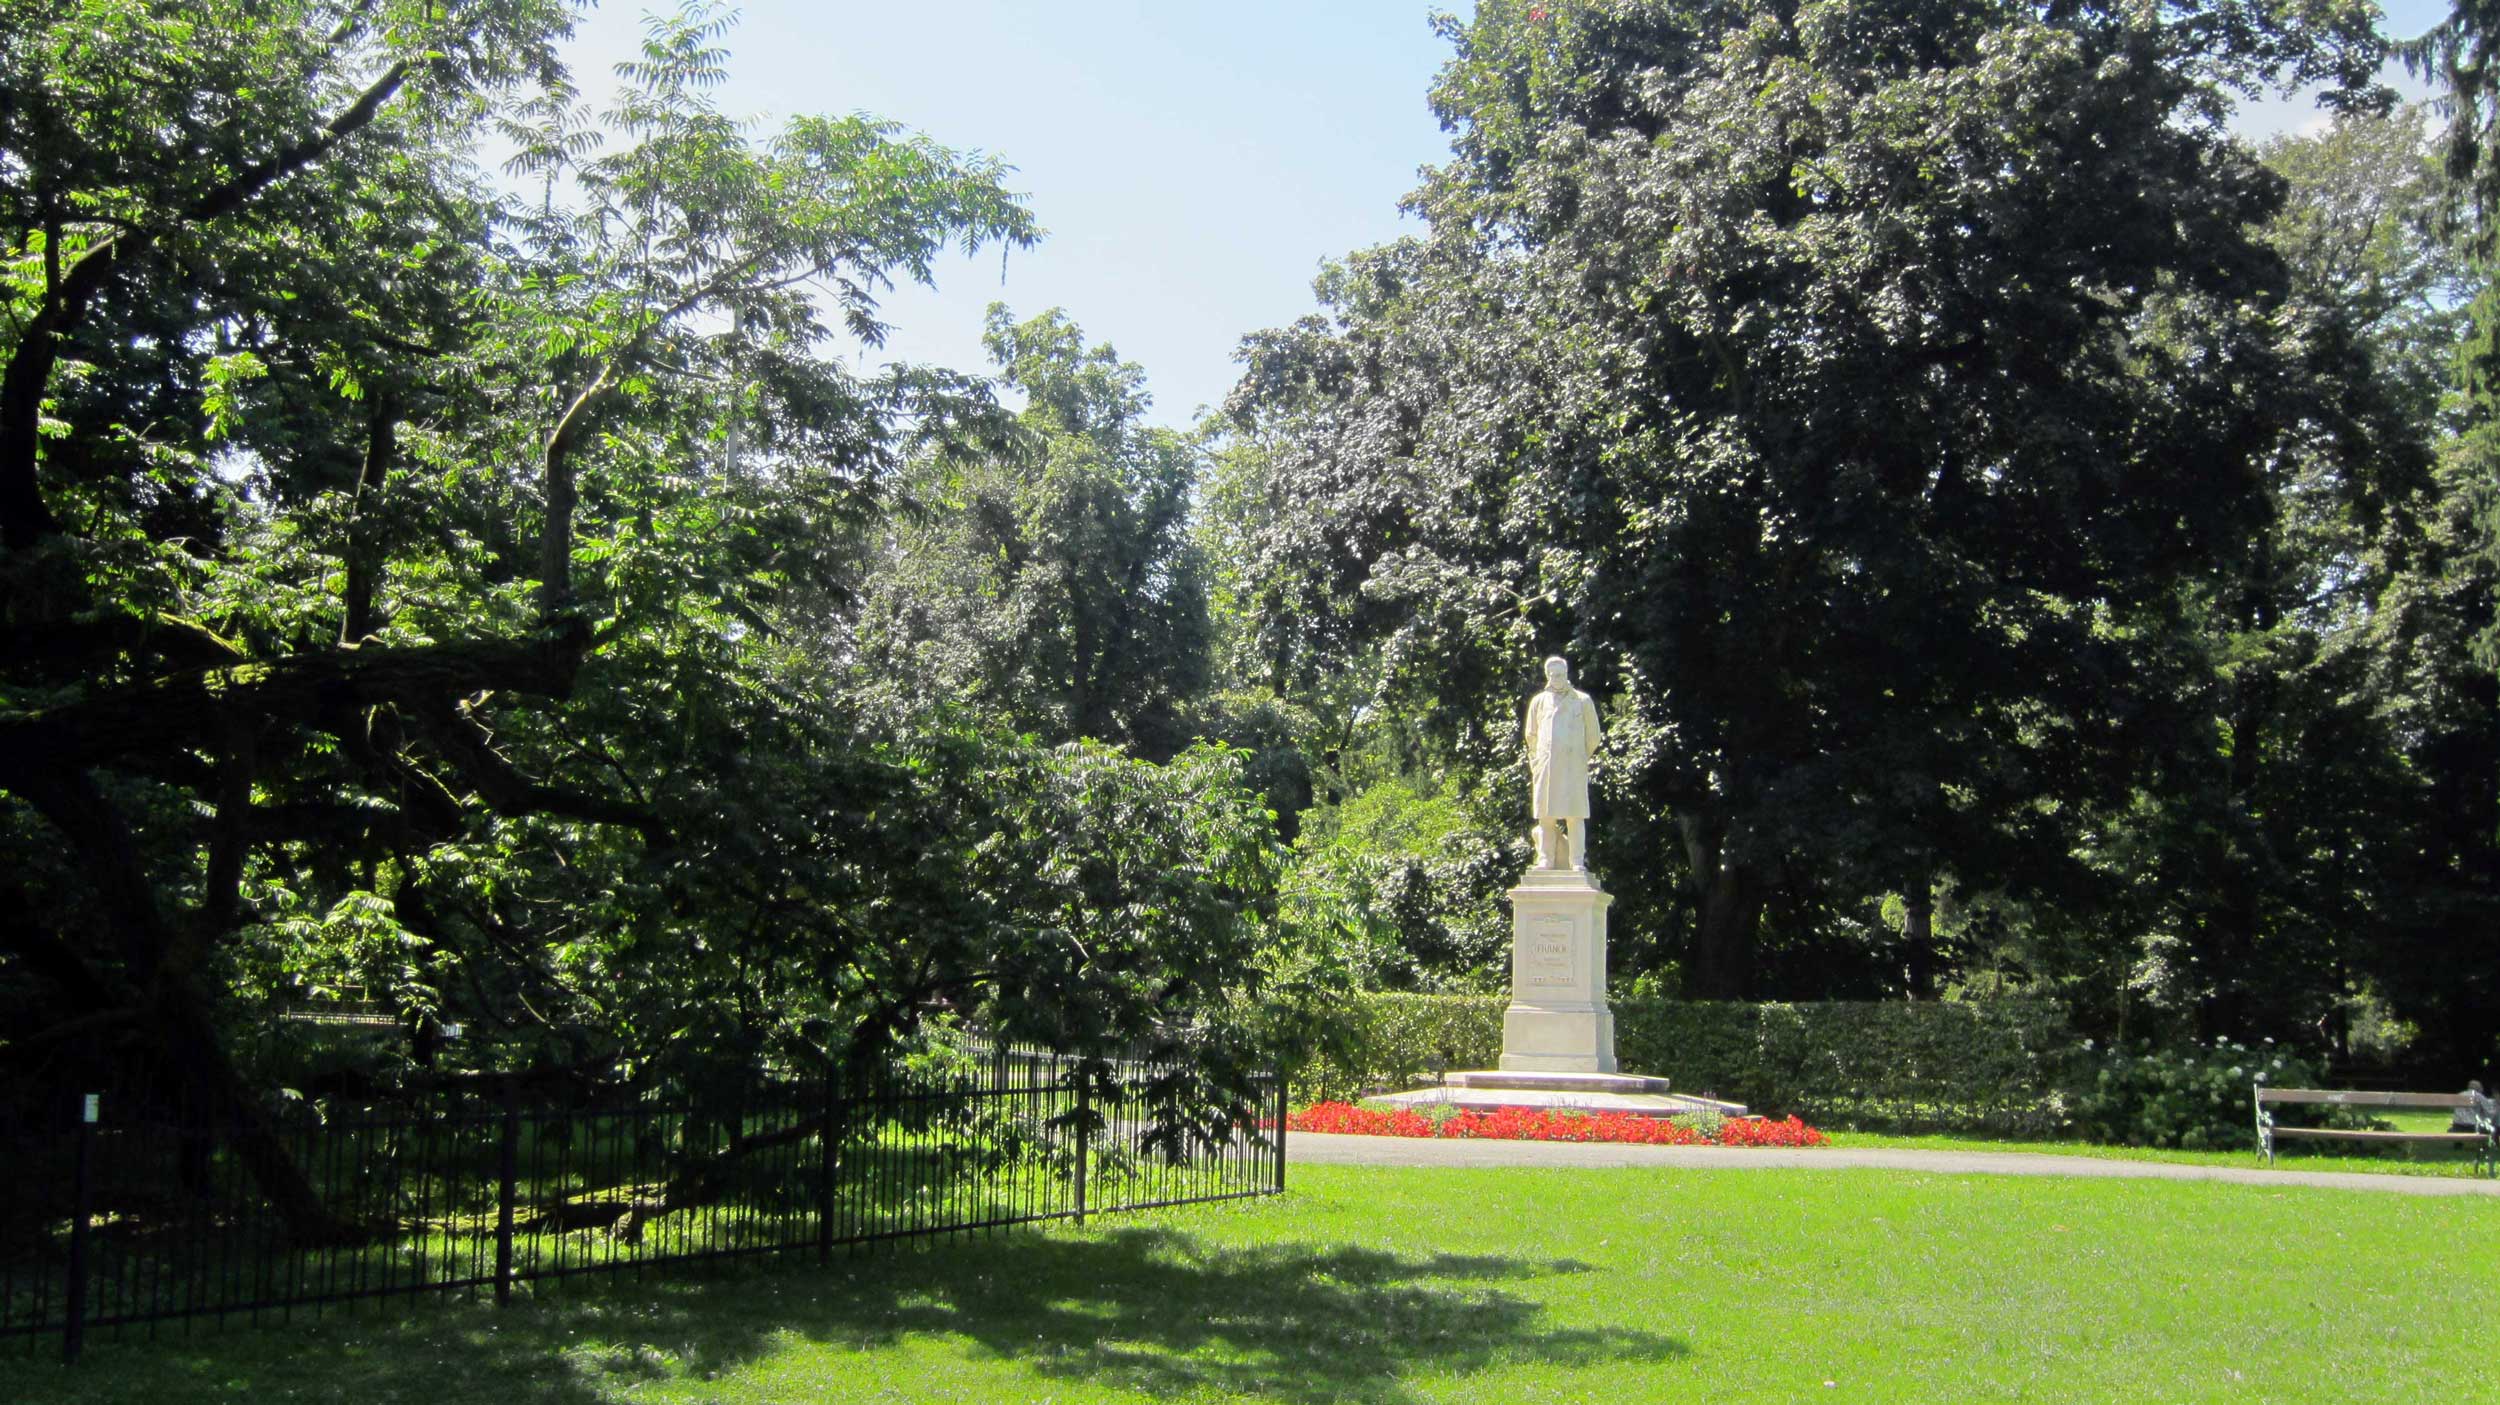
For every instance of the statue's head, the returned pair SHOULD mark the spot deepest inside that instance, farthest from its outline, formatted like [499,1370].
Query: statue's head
[1557,672]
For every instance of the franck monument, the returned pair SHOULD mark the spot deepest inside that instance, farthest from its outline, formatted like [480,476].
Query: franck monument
[1557,1021]
[1558,1038]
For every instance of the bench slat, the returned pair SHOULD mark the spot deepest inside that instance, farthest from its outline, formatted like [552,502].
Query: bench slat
[2340,1134]
[2334,1098]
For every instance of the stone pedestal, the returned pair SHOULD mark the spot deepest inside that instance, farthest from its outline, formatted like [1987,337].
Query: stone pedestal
[1558,1021]
[1558,1037]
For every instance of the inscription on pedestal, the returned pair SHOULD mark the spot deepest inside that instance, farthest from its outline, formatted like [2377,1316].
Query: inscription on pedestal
[1549,952]
[1557,1020]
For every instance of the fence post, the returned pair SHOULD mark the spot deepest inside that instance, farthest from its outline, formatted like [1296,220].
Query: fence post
[1284,1111]
[74,1301]
[824,1173]
[507,1174]
[1084,1139]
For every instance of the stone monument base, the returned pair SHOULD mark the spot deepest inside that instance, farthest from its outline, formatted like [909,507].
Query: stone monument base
[1558,1037]
[1483,1090]
[1558,1021]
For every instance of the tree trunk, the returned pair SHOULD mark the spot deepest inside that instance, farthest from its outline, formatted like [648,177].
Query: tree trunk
[1918,938]
[2234,930]
[364,555]
[23,517]
[1730,917]
[191,709]
[178,1039]
[182,1045]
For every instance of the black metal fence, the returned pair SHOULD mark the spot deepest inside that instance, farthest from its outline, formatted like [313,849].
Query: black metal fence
[142,1222]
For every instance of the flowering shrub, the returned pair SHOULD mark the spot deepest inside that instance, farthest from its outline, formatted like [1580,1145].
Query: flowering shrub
[1552,1125]
[1762,1131]
[1362,1121]
[2195,1096]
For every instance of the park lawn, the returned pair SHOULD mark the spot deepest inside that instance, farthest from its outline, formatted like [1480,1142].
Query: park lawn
[1392,1285]
[2291,1154]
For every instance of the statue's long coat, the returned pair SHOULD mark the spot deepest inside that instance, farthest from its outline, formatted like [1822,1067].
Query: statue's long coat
[1561,732]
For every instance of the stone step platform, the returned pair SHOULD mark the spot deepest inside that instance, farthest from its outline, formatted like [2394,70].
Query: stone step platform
[1483,1090]
[1556,1082]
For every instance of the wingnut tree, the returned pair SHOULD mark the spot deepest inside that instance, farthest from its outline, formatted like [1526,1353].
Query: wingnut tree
[1847,388]
[412,586]
[172,175]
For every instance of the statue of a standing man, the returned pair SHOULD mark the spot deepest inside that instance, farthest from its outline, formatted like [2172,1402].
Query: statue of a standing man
[1561,732]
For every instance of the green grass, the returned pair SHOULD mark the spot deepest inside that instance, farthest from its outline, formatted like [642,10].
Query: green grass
[2291,1154]
[1382,1285]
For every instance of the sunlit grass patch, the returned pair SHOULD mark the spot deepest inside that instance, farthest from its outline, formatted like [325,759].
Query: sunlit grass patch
[1395,1285]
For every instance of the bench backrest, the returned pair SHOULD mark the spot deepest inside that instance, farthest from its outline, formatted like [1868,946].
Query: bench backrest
[2342,1098]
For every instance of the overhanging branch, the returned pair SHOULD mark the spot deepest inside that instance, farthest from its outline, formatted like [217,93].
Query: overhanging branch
[192,708]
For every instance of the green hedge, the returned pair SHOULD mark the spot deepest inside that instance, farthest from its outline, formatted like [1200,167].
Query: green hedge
[1995,1066]
[1398,1041]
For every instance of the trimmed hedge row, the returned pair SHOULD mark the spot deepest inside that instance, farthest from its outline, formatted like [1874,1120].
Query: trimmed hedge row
[1994,1066]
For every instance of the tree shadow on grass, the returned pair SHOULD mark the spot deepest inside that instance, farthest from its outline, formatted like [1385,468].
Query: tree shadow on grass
[1164,1313]
[1146,1309]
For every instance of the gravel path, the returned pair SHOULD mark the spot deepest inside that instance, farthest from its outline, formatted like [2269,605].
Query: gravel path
[1316,1148]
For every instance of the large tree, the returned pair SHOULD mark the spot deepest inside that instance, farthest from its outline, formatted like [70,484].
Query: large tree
[2255,878]
[2457,56]
[1051,578]
[409,584]
[1850,389]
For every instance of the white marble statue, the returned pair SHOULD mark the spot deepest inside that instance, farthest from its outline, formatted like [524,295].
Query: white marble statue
[1561,732]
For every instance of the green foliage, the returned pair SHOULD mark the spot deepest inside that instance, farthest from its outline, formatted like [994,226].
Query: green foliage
[1051,579]
[2325,807]
[444,593]
[1275,737]
[2008,1067]
[1395,817]
[2360,229]
[1412,880]
[1981,1065]
[1992,1065]
[2457,54]
[1773,362]
[2197,1098]
[1394,1041]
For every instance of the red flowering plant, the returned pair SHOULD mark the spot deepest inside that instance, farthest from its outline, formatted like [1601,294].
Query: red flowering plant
[1554,1125]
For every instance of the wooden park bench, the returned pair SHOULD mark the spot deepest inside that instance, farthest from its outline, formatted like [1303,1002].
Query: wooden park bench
[2470,1109]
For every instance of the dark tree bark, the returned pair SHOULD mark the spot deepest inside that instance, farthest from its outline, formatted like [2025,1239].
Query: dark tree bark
[178,1039]
[1730,900]
[364,554]
[1918,939]
[191,708]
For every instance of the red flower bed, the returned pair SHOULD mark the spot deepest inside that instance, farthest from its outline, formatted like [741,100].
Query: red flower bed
[1522,1124]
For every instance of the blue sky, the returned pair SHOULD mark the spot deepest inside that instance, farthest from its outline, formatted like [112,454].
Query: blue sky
[1194,162]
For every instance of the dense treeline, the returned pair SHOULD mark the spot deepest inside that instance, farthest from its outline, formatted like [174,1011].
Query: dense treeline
[2024,540]
[2030,541]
